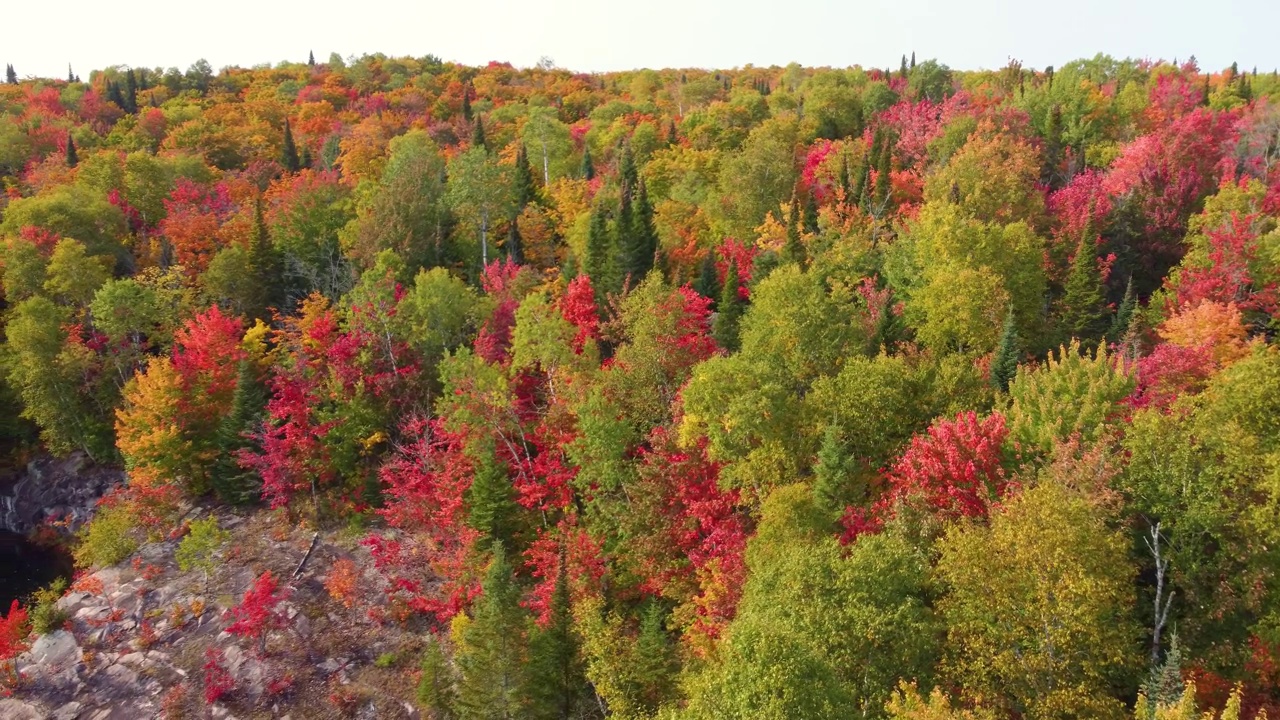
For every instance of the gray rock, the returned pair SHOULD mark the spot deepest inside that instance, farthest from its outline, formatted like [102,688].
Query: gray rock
[70,711]
[11,709]
[56,648]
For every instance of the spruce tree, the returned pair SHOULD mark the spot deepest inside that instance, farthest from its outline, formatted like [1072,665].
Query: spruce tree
[1004,364]
[639,244]
[436,688]
[1083,311]
[708,283]
[655,656]
[1052,147]
[466,102]
[72,158]
[858,194]
[673,135]
[832,476]
[556,679]
[843,179]
[493,653]
[810,213]
[289,154]
[131,92]
[10,76]
[1165,686]
[902,69]
[491,506]
[884,169]
[526,187]
[728,311]
[267,268]
[913,59]
[514,244]
[311,58]
[71,76]
[477,134]
[113,94]
[598,263]
[1124,313]
[232,483]
[588,170]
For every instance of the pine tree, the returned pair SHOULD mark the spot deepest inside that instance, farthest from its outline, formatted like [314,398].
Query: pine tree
[913,59]
[493,653]
[556,678]
[311,58]
[71,76]
[491,506]
[289,154]
[1004,364]
[72,158]
[113,94]
[588,170]
[843,179]
[436,691]
[1124,313]
[639,244]
[477,134]
[902,70]
[466,102]
[10,76]
[708,284]
[131,92]
[832,479]
[1083,311]
[305,161]
[861,178]
[233,483]
[729,310]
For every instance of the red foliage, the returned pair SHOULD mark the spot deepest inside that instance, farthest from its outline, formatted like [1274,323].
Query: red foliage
[258,614]
[1228,278]
[1169,372]
[956,468]
[217,679]
[742,256]
[14,629]
[207,354]
[193,216]
[812,175]
[586,565]
[578,307]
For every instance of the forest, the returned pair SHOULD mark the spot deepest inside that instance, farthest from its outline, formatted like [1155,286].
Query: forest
[785,392]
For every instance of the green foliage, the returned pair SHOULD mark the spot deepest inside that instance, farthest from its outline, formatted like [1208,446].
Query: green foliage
[1075,391]
[492,652]
[1004,364]
[729,311]
[199,549]
[233,483]
[1039,608]
[437,693]
[1082,312]
[46,616]
[108,538]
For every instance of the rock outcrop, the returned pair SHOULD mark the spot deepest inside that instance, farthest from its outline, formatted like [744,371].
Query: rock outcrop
[64,490]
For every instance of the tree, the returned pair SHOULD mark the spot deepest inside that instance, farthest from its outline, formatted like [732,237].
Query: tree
[10,76]
[232,482]
[258,612]
[1039,607]
[833,476]
[14,629]
[72,158]
[1082,312]
[311,58]
[588,170]
[729,310]
[708,283]
[477,135]
[556,679]
[492,653]
[266,270]
[1004,364]
[479,192]
[199,549]
[289,151]
[1075,391]
[599,264]
[437,694]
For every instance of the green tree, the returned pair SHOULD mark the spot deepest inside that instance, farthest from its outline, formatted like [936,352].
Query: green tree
[199,549]
[599,264]
[492,653]
[289,151]
[72,158]
[833,475]
[556,679]
[1004,364]
[437,691]
[479,192]
[73,276]
[729,311]
[1082,312]
[1073,392]
[232,482]
[1039,608]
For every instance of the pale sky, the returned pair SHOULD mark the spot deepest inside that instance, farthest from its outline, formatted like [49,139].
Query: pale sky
[40,39]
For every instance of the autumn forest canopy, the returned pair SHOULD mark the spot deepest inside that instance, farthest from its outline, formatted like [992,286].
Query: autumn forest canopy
[793,392]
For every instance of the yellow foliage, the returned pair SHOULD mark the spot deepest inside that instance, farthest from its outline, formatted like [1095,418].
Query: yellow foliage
[1217,326]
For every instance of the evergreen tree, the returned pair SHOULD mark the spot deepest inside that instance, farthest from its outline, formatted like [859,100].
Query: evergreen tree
[1165,685]
[810,214]
[1052,147]
[588,170]
[598,264]
[861,179]
[233,483]
[305,160]
[1004,364]
[708,283]
[884,169]
[1083,311]
[556,678]
[311,58]
[793,249]
[466,102]
[639,244]
[268,270]
[673,135]
[729,311]
[833,489]
[71,76]
[514,244]
[1124,313]
[491,505]
[113,94]
[656,663]
[477,134]
[10,76]
[436,692]
[526,187]
[289,154]
[844,181]
[131,92]
[72,158]
[493,653]
[913,59]
[902,69]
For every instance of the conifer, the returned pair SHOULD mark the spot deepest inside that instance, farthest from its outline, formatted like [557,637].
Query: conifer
[289,154]
[526,186]
[72,158]
[588,170]
[311,58]
[268,272]
[598,262]
[884,177]
[436,687]
[1004,364]
[832,491]
[793,249]
[708,284]
[493,653]
[728,311]
[71,76]
[1083,310]
[233,483]
[556,678]
[1124,313]
[514,244]
[477,134]
[491,506]
[466,102]
[10,76]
